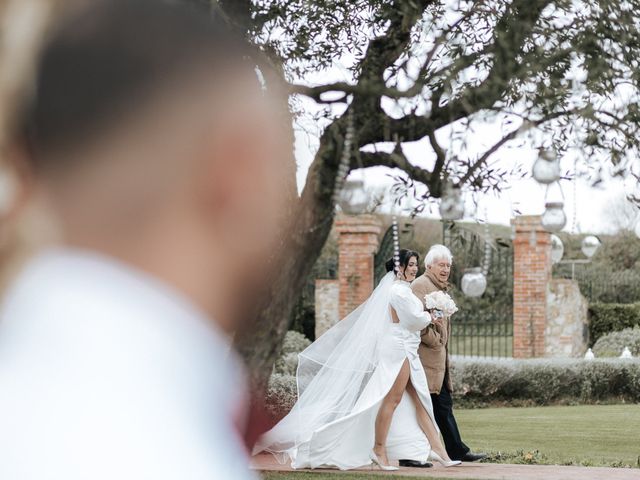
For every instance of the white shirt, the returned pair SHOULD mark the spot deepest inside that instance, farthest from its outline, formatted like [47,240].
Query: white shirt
[105,373]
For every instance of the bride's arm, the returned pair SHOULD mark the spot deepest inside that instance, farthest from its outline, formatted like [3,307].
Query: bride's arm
[410,312]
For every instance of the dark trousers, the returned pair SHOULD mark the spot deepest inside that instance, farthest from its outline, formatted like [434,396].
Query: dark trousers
[443,411]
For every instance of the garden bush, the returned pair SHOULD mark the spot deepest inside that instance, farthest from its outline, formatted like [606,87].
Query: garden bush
[287,364]
[546,382]
[281,395]
[612,344]
[480,383]
[611,317]
[294,343]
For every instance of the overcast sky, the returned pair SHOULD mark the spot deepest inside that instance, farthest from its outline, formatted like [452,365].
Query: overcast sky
[524,195]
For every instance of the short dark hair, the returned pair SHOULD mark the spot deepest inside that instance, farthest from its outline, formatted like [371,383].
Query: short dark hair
[405,256]
[104,59]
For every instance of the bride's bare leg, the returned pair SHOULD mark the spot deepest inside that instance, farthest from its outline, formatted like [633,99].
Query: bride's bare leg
[385,414]
[426,424]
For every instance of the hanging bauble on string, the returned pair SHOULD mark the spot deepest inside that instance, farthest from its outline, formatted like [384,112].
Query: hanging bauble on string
[557,249]
[590,246]
[354,198]
[546,168]
[451,204]
[474,283]
[554,218]
[396,246]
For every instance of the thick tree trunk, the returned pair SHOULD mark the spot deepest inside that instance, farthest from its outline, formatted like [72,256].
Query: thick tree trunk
[259,343]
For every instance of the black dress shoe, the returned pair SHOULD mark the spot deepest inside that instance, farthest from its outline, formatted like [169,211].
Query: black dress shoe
[414,464]
[473,457]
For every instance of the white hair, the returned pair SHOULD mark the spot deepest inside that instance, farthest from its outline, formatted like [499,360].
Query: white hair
[437,252]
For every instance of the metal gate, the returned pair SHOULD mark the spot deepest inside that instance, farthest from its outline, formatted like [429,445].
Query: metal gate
[483,327]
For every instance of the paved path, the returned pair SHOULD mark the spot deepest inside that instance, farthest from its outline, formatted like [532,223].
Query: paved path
[485,471]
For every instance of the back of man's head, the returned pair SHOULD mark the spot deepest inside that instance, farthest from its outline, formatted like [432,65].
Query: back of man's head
[105,61]
[150,139]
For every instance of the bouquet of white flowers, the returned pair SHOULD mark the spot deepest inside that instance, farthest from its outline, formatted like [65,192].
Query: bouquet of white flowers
[441,301]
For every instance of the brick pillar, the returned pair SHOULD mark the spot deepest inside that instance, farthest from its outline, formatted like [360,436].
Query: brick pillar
[358,241]
[532,274]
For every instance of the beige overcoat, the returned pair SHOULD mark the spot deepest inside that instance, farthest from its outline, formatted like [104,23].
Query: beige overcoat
[434,347]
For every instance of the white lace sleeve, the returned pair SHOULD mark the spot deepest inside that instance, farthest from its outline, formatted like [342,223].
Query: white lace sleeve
[409,309]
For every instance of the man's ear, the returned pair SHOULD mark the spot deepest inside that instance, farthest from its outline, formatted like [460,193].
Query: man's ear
[19,179]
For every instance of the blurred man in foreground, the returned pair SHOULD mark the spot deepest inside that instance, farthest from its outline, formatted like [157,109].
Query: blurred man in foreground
[150,143]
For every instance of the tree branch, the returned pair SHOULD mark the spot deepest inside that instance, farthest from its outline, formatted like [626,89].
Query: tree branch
[396,159]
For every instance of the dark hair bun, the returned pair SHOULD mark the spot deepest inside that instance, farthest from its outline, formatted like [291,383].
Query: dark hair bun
[390,265]
[405,256]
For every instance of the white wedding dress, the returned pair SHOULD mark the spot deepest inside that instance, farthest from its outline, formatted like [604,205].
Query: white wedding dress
[343,378]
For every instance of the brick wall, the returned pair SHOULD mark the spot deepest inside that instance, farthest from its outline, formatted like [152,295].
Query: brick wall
[532,274]
[358,241]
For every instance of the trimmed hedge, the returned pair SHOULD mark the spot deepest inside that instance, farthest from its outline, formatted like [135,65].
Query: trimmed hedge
[546,382]
[612,344]
[611,317]
[481,383]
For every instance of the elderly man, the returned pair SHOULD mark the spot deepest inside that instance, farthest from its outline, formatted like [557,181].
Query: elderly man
[434,354]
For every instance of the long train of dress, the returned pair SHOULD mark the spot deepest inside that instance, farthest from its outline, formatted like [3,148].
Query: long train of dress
[347,441]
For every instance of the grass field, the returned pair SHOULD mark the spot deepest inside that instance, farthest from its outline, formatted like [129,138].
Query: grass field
[482,346]
[581,435]
[587,434]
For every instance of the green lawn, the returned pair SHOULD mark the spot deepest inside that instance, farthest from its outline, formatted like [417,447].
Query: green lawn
[588,434]
[582,435]
[482,346]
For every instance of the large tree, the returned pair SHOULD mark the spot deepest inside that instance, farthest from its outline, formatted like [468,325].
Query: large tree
[557,74]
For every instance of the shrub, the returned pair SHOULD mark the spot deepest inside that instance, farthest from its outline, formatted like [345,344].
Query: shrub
[287,364]
[612,344]
[282,394]
[294,342]
[611,317]
[545,381]
[481,383]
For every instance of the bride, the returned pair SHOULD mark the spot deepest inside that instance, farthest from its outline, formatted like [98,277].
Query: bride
[352,379]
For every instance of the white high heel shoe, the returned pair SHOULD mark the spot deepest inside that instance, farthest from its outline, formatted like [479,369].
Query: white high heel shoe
[376,461]
[434,457]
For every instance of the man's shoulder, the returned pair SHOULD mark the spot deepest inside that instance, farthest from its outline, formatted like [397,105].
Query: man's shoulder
[423,283]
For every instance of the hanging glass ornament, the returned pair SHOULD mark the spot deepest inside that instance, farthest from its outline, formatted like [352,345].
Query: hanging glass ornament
[474,283]
[557,249]
[451,204]
[546,168]
[590,246]
[554,218]
[353,198]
